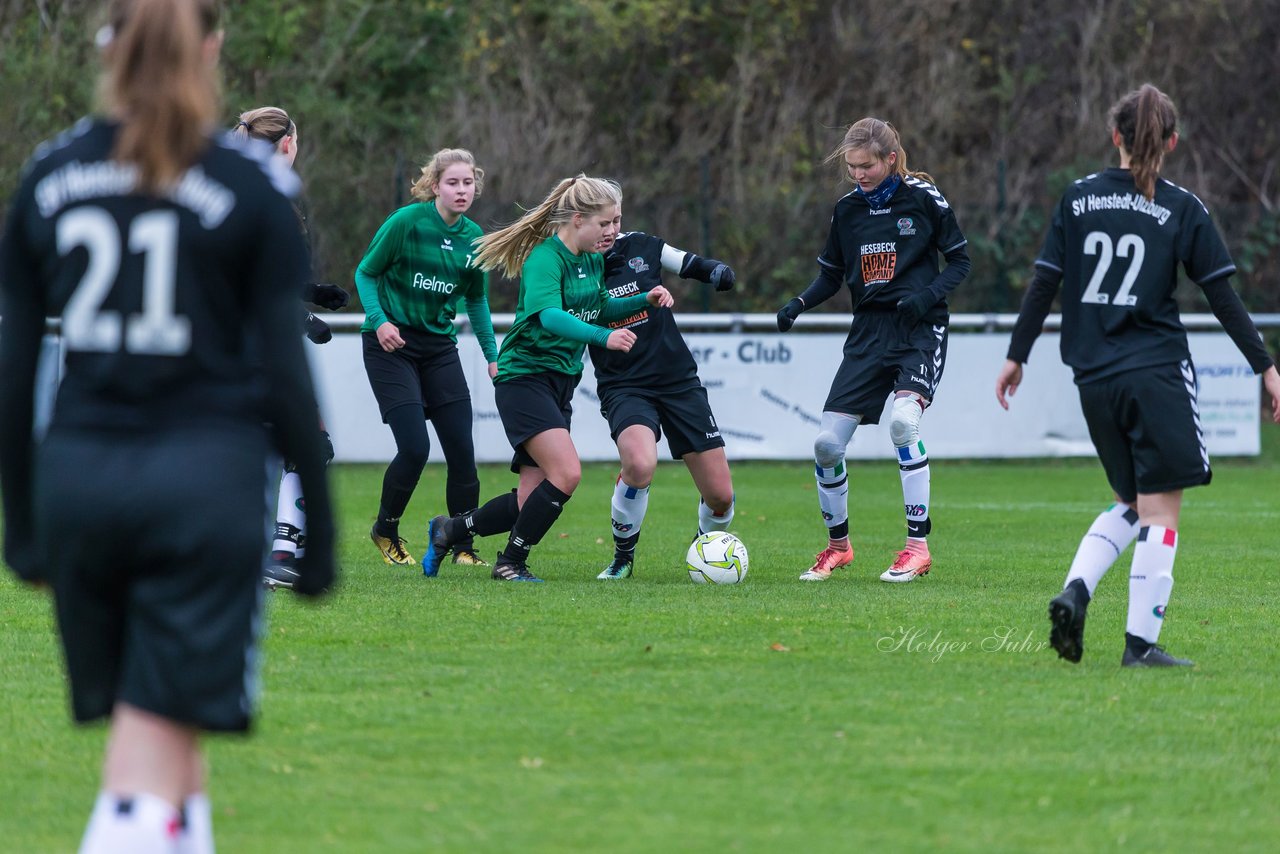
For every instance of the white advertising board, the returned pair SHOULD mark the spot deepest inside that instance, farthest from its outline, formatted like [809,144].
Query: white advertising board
[767,393]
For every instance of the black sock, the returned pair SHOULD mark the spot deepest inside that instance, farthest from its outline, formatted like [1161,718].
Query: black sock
[1136,645]
[1080,590]
[838,532]
[497,516]
[386,525]
[540,511]
[459,498]
[412,449]
[624,548]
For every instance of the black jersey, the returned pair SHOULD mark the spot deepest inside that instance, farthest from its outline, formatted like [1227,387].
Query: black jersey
[887,253]
[165,302]
[660,356]
[153,293]
[1118,255]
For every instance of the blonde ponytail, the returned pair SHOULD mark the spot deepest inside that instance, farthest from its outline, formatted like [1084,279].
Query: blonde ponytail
[507,248]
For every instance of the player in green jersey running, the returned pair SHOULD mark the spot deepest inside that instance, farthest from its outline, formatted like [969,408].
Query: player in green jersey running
[418,266]
[562,298]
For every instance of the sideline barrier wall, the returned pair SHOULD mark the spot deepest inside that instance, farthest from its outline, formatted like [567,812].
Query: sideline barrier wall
[767,393]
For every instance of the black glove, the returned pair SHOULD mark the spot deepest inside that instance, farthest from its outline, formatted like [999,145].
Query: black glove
[722,276]
[911,309]
[317,330]
[331,297]
[788,313]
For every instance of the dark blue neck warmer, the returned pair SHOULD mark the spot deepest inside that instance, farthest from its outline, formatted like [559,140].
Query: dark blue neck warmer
[878,197]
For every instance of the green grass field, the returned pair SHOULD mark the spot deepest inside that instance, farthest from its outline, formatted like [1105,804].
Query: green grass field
[459,714]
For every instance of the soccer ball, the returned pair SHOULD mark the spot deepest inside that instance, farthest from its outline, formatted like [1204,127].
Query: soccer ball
[717,558]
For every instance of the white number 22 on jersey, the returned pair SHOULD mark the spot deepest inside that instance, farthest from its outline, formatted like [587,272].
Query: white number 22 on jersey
[157,331]
[1129,245]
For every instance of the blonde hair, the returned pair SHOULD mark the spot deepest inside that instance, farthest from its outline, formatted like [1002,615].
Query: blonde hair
[1146,118]
[509,247]
[440,161]
[270,124]
[159,84]
[879,137]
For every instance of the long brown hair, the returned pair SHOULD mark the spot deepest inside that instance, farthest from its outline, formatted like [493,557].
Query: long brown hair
[1146,119]
[879,137]
[159,84]
[509,247]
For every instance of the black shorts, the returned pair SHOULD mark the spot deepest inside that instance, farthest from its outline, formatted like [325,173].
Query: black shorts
[881,356]
[425,372]
[683,412]
[533,404]
[1145,424]
[155,545]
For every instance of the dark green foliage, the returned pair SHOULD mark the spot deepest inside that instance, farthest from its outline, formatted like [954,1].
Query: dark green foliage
[717,115]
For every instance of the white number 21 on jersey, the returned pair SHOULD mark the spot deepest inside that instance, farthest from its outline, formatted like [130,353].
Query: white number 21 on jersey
[1128,246]
[157,331]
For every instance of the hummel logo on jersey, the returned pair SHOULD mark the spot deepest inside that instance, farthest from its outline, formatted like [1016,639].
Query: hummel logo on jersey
[431,283]
[638,265]
[448,244]
[880,211]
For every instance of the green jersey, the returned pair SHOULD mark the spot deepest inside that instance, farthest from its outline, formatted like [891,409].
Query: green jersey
[421,268]
[553,277]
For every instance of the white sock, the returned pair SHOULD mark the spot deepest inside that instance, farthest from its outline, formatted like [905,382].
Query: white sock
[708,521]
[833,494]
[1151,581]
[913,470]
[138,824]
[630,503]
[197,827]
[1107,538]
[290,512]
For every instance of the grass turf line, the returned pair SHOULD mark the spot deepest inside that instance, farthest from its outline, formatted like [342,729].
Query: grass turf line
[651,714]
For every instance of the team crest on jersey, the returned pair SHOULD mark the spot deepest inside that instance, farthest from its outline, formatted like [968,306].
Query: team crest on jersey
[638,265]
[906,227]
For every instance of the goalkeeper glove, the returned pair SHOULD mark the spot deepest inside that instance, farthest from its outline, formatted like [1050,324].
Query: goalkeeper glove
[788,313]
[317,330]
[911,309]
[331,297]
